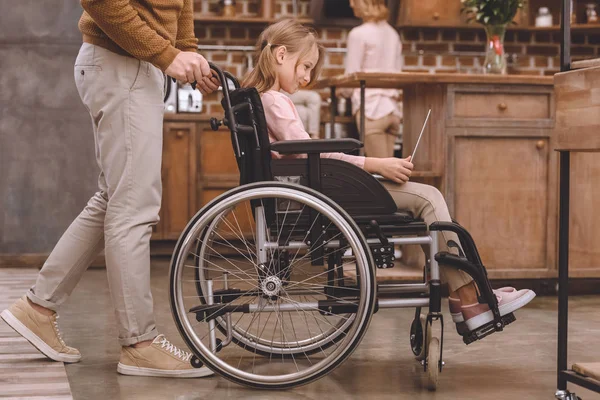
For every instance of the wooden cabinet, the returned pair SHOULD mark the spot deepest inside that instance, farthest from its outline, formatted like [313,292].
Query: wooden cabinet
[502,193]
[584,252]
[430,12]
[198,165]
[501,176]
[179,174]
[577,130]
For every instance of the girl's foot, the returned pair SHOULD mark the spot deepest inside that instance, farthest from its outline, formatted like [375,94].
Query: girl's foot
[455,304]
[477,315]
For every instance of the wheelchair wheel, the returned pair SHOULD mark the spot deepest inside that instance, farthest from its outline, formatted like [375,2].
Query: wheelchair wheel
[418,341]
[433,364]
[247,271]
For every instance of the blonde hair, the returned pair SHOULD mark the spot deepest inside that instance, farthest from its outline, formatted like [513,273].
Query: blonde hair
[296,38]
[371,10]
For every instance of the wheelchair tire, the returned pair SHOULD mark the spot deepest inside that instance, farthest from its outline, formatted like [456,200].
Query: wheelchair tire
[418,341]
[433,364]
[347,339]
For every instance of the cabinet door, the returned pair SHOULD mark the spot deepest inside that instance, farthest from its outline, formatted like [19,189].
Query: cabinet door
[584,235]
[178,179]
[219,174]
[502,196]
[430,13]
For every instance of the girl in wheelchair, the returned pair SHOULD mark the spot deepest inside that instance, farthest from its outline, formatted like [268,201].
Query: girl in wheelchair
[289,57]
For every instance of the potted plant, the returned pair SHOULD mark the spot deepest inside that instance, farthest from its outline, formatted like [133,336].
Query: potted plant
[494,15]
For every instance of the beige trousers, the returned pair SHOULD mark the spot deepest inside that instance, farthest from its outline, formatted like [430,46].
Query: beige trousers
[380,135]
[124,97]
[426,202]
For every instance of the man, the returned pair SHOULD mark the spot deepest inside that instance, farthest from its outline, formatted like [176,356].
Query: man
[119,75]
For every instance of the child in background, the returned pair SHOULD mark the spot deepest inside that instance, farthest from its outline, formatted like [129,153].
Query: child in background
[289,58]
[375,46]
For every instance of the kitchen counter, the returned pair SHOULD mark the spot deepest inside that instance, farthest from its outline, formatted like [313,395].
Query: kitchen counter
[488,148]
[401,79]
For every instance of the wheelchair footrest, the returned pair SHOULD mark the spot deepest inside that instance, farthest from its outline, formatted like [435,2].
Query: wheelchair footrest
[488,329]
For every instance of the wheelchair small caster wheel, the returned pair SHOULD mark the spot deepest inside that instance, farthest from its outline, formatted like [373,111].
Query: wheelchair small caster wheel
[418,342]
[433,364]
[196,363]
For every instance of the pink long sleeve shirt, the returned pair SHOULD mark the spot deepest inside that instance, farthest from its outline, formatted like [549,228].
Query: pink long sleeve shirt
[375,47]
[283,123]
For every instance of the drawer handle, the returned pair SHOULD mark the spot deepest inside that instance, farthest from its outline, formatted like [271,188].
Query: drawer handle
[502,106]
[540,144]
[180,134]
[436,15]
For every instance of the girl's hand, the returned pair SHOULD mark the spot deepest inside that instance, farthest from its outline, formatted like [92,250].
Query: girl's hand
[398,170]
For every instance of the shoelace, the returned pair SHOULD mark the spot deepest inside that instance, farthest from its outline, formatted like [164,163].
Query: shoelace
[171,348]
[57,330]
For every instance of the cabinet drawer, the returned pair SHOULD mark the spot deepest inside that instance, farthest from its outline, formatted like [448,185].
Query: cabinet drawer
[502,105]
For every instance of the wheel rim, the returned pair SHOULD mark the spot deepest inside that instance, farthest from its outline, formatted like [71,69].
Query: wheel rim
[349,331]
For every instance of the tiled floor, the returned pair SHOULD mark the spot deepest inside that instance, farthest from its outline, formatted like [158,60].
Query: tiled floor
[519,363]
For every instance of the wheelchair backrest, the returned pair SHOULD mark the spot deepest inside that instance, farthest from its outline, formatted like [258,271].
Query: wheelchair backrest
[249,135]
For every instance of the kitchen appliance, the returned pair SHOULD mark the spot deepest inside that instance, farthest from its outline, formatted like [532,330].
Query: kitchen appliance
[189,99]
[170,96]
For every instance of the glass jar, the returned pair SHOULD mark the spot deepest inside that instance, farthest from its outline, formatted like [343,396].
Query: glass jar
[544,18]
[591,13]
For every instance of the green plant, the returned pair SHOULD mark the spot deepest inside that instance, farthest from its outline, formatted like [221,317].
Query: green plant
[491,12]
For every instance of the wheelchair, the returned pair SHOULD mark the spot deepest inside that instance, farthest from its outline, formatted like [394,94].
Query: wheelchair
[272,283]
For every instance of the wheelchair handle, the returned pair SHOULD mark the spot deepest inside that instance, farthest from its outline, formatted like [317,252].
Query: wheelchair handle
[229,119]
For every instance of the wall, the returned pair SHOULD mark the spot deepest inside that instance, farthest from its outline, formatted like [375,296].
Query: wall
[534,52]
[47,162]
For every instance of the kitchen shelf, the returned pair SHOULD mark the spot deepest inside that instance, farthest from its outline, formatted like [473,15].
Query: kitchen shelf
[199,17]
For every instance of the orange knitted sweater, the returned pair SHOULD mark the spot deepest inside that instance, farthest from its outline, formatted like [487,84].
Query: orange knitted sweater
[149,30]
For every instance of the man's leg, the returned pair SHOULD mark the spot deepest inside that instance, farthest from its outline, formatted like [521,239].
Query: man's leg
[33,316]
[126,102]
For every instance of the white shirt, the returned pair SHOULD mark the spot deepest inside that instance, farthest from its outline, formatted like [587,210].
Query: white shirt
[375,47]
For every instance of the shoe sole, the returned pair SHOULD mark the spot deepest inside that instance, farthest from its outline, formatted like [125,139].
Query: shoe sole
[457,317]
[35,340]
[163,373]
[484,318]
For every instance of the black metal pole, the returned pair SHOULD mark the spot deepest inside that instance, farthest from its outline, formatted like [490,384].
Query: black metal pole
[563,266]
[565,32]
[362,114]
[563,215]
[333,112]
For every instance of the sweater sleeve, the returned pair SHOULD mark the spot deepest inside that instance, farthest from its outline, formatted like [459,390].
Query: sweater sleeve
[284,125]
[122,24]
[186,39]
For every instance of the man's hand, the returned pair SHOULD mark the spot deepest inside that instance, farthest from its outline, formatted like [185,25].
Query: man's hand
[398,170]
[188,67]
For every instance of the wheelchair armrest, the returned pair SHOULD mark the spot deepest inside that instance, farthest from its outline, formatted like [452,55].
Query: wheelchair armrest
[313,146]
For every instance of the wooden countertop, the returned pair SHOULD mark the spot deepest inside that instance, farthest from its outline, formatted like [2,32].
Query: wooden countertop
[402,79]
[188,117]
